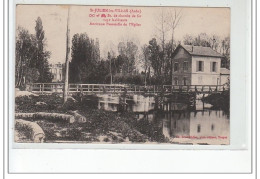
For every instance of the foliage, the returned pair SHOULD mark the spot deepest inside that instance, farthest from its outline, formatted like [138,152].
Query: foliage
[219,101]
[117,127]
[137,79]
[216,43]
[31,58]
[41,58]
[24,55]
[85,57]
[155,56]
[127,56]
[30,103]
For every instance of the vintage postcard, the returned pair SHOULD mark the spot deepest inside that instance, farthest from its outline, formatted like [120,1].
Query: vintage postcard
[122,75]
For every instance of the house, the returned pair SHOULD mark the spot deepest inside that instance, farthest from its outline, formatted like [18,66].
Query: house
[197,65]
[57,71]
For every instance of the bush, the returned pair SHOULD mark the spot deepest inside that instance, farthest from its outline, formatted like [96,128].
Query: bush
[219,100]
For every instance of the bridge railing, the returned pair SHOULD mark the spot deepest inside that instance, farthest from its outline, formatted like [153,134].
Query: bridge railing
[98,88]
[194,88]
[46,87]
[122,88]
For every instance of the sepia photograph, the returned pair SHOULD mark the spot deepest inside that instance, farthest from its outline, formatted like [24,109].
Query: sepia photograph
[122,75]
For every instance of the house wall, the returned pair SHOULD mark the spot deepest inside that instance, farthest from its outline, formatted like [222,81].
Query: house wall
[57,72]
[205,77]
[181,57]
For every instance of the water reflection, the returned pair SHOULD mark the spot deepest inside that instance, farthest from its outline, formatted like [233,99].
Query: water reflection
[200,127]
[176,121]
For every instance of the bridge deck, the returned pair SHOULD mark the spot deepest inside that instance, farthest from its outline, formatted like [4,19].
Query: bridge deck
[121,89]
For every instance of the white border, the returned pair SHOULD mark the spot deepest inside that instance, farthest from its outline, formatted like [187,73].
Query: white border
[240,121]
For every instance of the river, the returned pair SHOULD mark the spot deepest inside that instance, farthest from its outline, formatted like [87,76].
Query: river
[174,120]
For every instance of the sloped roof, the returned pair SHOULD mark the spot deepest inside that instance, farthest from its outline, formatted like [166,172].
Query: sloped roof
[201,51]
[224,71]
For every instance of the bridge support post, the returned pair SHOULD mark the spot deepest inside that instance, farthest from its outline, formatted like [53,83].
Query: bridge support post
[203,101]
[42,87]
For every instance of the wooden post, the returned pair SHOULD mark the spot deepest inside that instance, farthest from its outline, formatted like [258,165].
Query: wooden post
[43,87]
[66,82]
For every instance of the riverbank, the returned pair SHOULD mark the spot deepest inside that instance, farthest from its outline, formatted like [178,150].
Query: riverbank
[100,126]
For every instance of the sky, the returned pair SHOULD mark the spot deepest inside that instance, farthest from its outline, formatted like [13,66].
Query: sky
[213,21]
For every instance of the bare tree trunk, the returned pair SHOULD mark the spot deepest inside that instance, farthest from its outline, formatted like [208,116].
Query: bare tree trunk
[66,83]
[111,78]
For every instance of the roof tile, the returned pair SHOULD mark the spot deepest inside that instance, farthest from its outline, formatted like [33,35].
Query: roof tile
[201,51]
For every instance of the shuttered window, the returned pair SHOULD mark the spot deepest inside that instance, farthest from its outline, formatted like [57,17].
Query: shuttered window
[200,66]
[185,66]
[213,66]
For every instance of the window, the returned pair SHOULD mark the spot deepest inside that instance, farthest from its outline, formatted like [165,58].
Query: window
[176,66]
[176,81]
[200,66]
[212,127]
[185,66]
[184,81]
[198,128]
[214,66]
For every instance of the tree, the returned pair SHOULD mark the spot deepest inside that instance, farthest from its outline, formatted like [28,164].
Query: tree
[66,81]
[188,40]
[167,22]
[31,57]
[215,42]
[42,55]
[85,57]
[145,60]
[202,39]
[24,55]
[225,48]
[154,57]
[163,29]
[127,55]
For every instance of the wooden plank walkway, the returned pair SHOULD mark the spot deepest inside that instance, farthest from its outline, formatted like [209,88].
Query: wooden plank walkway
[124,89]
